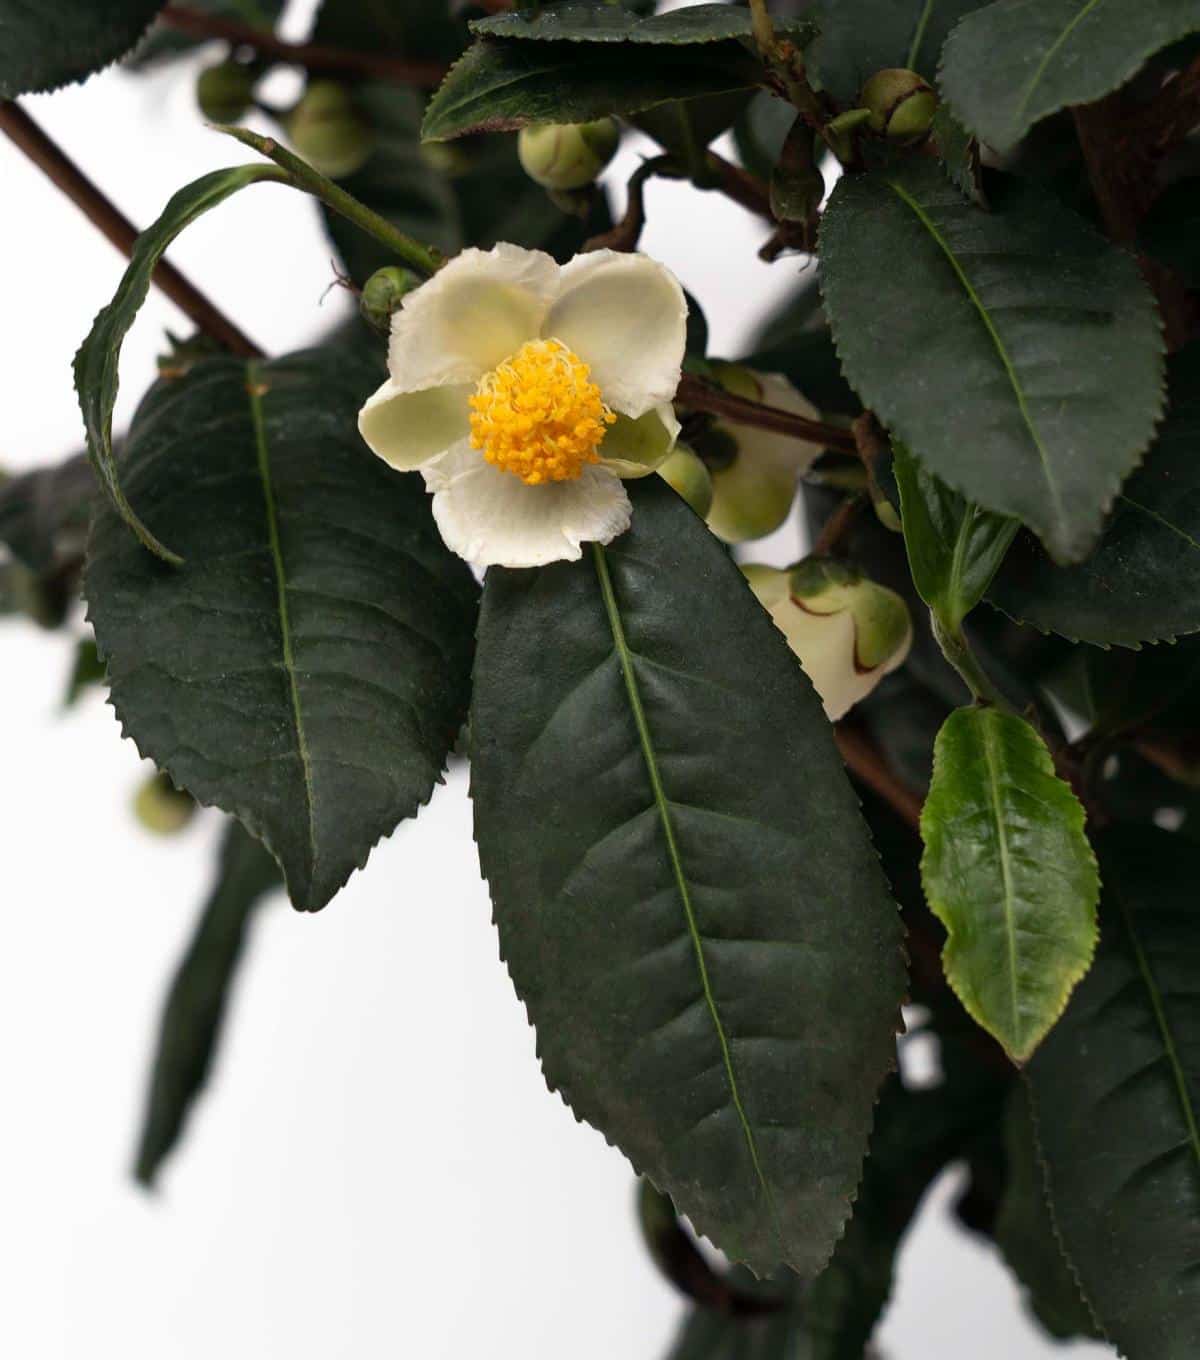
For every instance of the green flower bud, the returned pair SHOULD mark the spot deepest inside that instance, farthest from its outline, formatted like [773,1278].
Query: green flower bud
[161,807]
[754,480]
[901,104]
[328,130]
[225,92]
[686,473]
[847,631]
[383,293]
[567,155]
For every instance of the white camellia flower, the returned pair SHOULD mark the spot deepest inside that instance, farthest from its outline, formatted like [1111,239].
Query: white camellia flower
[847,631]
[524,391]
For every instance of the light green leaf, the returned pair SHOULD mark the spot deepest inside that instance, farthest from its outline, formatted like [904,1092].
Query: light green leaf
[307,668]
[1116,1099]
[47,43]
[859,37]
[1008,871]
[504,84]
[990,341]
[96,364]
[687,898]
[190,1028]
[954,547]
[1015,61]
[1142,583]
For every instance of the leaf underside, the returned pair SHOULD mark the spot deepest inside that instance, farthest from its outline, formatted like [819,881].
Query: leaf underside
[1116,1096]
[307,668]
[687,898]
[1008,871]
[1017,353]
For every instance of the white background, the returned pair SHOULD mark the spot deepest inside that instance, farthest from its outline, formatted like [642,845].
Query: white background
[377,1170]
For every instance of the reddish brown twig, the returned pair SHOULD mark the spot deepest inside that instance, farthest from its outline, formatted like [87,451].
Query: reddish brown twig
[866,762]
[312,56]
[17,125]
[699,395]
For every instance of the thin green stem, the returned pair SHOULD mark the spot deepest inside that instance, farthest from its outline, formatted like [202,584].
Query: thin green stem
[957,651]
[303,176]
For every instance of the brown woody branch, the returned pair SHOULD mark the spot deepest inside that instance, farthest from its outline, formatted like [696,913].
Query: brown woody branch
[316,57]
[17,125]
[699,395]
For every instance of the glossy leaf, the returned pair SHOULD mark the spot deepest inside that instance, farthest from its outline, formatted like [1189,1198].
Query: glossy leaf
[501,84]
[687,898]
[194,1012]
[45,45]
[1025,1231]
[1013,62]
[859,37]
[307,668]
[1142,583]
[953,349]
[597,21]
[954,547]
[1116,1090]
[1008,871]
[97,363]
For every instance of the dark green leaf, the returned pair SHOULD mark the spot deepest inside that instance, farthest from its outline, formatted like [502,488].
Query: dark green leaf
[598,21]
[760,131]
[1170,231]
[1008,871]
[96,364]
[190,1028]
[1026,1235]
[1115,1091]
[954,547]
[421,29]
[1013,62]
[163,43]
[307,668]
[86,670]
[48,43]
[1142,583]
[500,85]
[44,514]
[989,341]
[860,37]
[687,899]
[780,1335]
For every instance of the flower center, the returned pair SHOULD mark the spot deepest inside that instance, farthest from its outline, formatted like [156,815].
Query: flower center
[539,415]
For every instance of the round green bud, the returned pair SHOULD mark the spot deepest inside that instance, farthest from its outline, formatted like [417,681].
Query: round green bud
[328,131]
[567,155]
[901,105]
[685,472]
[161,807]
[383,294]
[225,92]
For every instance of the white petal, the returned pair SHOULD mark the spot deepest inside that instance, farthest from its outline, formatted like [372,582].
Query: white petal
[491,518]
[626,317]
[407,429]
[473,313]
[633,448]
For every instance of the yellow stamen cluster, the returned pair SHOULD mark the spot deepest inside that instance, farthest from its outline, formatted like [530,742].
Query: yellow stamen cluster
[539,415]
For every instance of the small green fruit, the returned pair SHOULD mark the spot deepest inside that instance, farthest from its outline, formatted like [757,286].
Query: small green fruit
[225,92]
[329,132]
[686,473]
[383,294]
[901,105]
[161,807]
[567,155]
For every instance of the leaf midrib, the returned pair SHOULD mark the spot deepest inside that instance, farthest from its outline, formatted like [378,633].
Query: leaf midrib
[255,388]
[1160,1019]
[919,34]
[977,302]
[1051,52]
[1010,928]
[625,658]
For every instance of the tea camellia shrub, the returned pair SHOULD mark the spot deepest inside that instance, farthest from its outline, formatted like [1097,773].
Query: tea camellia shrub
[734,813]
